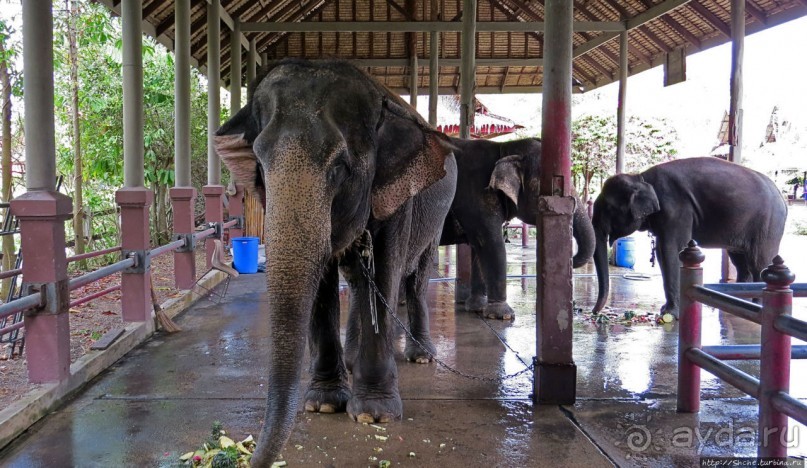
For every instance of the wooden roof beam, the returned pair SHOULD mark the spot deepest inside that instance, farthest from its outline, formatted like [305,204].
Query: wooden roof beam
[711,18]
[643,28]
[401,10]
[758,14]
[675,26]
[273,40]
[633,49]
[420,26]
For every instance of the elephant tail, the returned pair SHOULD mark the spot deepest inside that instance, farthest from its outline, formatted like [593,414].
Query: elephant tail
[583,232]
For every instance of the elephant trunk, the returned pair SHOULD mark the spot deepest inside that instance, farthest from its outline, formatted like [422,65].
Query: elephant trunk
[298,247]
[583,232]
[601,264]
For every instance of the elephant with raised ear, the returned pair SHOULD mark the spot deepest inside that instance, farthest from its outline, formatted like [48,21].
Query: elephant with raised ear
[353,179]
[499,181]
[716,203]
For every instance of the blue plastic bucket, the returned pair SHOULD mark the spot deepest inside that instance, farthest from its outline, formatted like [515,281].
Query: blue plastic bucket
[245,254]
[625,255]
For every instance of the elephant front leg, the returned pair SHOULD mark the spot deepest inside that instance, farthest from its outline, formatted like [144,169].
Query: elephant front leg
[479,295]
[375,395]
[667,252]
[492,260]
[328,391]
[420,349]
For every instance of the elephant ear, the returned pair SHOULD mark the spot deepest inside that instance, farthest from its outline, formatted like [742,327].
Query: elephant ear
[233,143]
[643,201]
[508,176]
[410,157]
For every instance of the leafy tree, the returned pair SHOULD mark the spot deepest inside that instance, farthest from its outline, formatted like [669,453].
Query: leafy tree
[648,142]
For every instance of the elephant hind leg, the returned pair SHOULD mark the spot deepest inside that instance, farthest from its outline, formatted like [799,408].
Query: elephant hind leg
[417,285]
[741,263]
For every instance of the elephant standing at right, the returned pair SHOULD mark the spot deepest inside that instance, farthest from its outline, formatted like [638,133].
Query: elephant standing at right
[717,203]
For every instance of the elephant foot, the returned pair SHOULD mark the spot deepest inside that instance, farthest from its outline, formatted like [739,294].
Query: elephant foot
[418,354]
[322,397]
[499,311]
[376,408]
[669,309]
[476,303]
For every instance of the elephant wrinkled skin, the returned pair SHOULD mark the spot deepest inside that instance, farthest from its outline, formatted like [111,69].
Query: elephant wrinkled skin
[497,182]
[716,203]
[341,161]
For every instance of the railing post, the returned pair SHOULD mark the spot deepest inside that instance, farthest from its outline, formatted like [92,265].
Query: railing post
[774,363]
[47,332]
[689,329]
[183,200]
[524,231]
[236,211]
[214,213]
[135,239]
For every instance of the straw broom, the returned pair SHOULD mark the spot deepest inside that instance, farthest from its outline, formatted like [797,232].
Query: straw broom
[164,320]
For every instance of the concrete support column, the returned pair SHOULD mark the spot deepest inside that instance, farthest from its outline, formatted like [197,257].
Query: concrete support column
[727,271]
[467,85]
[264,60]
[413,80]
[182,93]
[135,239]
[236,210]
[620,109]
[235,67]
[252,58]
[214,213]
[183,200]
[434,68]
[555,371]
[41,210]
[133,146]
[213,96]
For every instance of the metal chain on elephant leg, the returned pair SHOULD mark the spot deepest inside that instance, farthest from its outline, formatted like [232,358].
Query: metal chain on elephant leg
[652,249]
[374,288]
[368,267]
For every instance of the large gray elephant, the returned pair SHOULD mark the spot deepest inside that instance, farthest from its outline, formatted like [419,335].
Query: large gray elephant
[716,203]
[352,177]
[497,182]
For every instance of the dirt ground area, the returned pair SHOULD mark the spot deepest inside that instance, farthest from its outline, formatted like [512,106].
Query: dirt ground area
[91,320]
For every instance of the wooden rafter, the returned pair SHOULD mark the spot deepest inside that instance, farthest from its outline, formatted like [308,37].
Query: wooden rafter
[633,49]
[270,45]
[675,26]
[711,19]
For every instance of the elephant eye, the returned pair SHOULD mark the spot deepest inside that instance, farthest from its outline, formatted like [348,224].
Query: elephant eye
[339,171]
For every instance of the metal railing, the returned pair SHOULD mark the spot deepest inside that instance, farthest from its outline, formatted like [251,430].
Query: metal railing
[37,300]
[774,353]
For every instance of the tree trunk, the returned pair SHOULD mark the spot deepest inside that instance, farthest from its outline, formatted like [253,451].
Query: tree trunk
[8,241]
[78,199]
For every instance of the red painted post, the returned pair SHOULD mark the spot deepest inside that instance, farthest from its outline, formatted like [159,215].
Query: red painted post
[689,329]
[135,238]
[462,290]
[237,211]
[183,200]
[47,332]
[214,213]
[774,363]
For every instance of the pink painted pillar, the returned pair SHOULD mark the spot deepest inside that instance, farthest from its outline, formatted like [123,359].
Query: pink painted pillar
[135,282]
[237,211]
[525,230]
[689,329]
[774,363]
[183,199]
[214,213]
[47,332]
[462,289]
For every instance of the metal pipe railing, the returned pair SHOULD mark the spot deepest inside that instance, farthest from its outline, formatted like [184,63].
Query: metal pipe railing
[10,273]
[205,233]
[96,253]
[21,304]
[229,224]
[157,251]
[723,371]
[95,295]
[774,353]
[726,303]
[100,273]
[11,328]
[747,352]
[753,290]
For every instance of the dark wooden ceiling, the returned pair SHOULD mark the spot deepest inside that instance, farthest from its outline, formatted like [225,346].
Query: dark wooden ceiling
[508,61]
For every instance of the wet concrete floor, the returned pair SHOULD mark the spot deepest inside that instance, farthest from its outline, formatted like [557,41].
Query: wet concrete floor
[161,399]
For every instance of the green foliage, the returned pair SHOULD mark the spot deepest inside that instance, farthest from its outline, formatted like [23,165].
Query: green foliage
[648,142]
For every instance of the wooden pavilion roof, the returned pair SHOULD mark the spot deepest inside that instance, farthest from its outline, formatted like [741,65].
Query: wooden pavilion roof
[508,61]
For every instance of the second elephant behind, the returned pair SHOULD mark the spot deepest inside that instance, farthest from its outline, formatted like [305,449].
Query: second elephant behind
[495,183]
